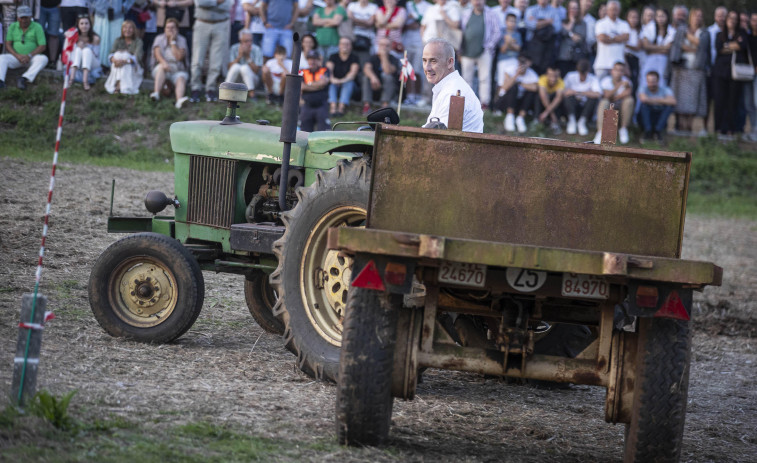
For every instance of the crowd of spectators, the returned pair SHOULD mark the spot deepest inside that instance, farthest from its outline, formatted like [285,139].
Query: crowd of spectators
[556,63]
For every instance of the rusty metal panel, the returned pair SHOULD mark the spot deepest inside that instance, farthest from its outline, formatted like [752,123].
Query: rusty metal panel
[527,191]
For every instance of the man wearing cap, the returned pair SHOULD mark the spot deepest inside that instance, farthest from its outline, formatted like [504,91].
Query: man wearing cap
[25,44]
[315,94]
[439,68]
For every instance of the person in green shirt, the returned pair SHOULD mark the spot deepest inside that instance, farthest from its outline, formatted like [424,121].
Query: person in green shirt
[25,44]
[326,21]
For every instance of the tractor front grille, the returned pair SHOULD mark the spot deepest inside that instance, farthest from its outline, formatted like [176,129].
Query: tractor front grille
[211,191]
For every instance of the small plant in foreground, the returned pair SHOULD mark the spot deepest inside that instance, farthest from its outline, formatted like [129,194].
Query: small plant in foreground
[53,409]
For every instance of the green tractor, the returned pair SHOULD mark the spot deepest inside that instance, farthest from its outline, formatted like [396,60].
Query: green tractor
[250,199]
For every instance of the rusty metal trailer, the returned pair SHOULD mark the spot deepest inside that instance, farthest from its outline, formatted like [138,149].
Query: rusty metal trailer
[507,240]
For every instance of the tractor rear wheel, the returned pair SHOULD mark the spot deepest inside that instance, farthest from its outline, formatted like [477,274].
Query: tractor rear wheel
[655,432]
[146,287]
[364,391]
[260,298]
[311,280]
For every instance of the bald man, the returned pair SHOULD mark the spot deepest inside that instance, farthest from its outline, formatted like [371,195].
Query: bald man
[439,68]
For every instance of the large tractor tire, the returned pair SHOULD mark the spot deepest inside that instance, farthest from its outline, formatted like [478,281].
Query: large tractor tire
[655,433]
[311,280]
[364,391]
[146,287]
[260,298]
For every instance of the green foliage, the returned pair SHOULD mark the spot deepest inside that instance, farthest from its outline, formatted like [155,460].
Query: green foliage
[53,409]
[8,416]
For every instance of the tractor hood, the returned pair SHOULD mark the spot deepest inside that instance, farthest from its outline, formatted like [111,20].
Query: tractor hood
[260,143]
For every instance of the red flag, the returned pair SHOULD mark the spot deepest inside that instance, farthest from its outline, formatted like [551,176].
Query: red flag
[407,73]
[72,36]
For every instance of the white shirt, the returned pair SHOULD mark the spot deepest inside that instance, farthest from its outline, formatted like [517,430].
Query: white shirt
[608,84]
[434,14]
[573,82]
[363,13]
[714,30]
[609,54]
[648,32]
[256,24]
[591,23]
[473,116]
[530,77]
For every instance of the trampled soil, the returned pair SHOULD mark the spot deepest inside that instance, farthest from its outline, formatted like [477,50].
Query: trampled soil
[226,370]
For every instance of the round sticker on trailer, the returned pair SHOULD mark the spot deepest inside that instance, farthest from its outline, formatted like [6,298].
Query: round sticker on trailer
[526,280]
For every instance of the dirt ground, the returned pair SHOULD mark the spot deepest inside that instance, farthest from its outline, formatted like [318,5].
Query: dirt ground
[226,370]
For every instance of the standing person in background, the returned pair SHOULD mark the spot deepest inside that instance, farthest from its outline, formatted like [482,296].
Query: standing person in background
[481,33]
[634,52]
[543,23]
[170,62]
[657,102]
[252,21]
[279,17]
[505,8]
[690,58]
[70,10]
[657,38]
[509,48]
[680,16]
[617,90]
[521,6]
[49,19]
[245,60]
[304,12]
[25,46]
[343,67]
[411,37]
[326,21]
[591,23]
[126,62]
[573,45]
[444,13]
[210,36]
[177,9]
[362,14]
[85,60]
[237,21]
[720,14]
[750,88]
[647,15]
[612,34]
[562,12]
[308,43]
[109,15]
[731,40]
[581,94]
[390,19]
[314,108]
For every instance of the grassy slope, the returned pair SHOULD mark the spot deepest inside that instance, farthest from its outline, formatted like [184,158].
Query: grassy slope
[132,132]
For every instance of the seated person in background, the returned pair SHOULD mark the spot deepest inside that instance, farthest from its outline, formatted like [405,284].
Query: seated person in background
[274,74]
[380,76]
[25,46]
[657,102]
[509,47]
[245,59]
[581,97]
[517,94]
[549,103]
[315,94]
[125,62]
[170,59]
[617,89]
[85,59]
[343,67]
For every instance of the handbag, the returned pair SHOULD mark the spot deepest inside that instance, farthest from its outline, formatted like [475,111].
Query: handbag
[175,12]
[742,72]
[362,43]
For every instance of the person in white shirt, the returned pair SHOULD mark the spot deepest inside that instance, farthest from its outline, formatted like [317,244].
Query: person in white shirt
[656,39]
[721,13]
[581,97]
[439,68]
[612,34]
[518,93]
[447,12]
[411,38]
[617,90]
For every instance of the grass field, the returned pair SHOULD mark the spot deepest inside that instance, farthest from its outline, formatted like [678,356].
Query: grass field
[132,131]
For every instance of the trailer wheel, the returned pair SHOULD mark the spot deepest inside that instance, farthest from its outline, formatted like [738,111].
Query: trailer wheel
[655,432]
[260,298]
[364,391]
[146,287]
[312,280]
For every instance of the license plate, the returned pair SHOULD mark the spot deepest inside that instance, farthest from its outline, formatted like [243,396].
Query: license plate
[586,286]
[462,274]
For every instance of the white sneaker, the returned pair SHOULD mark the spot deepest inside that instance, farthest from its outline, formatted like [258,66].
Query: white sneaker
[571,129]
[520,123]
[582,130]
[623,135]
[155,96]
[510,122]
[598,138]
[181,101]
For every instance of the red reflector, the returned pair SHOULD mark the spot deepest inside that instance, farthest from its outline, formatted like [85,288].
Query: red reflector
[673,308]
[394,273]
[646,296]
[369,278]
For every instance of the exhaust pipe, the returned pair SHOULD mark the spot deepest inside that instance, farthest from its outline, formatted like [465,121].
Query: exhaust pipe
[291,113]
